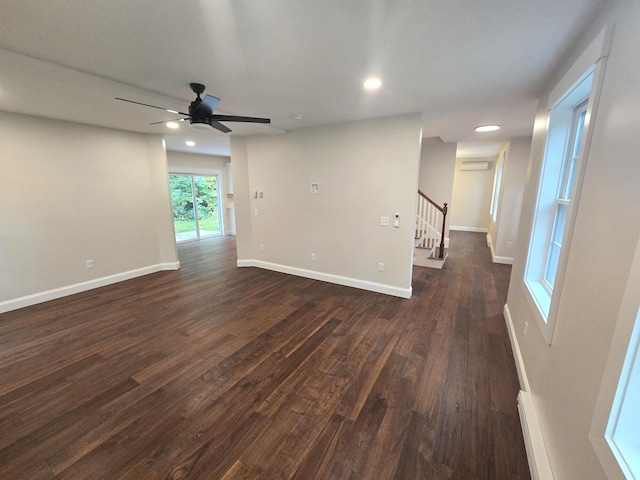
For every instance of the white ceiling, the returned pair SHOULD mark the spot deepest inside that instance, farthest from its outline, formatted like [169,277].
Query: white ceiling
[461,63]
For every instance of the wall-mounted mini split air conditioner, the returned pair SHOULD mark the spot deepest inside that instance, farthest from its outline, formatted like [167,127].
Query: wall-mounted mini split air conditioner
[471,166]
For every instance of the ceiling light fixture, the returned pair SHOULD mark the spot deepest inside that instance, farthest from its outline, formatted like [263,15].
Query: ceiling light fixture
[172,125]
[190,143]
[197,124]
[487,128]
[372,83]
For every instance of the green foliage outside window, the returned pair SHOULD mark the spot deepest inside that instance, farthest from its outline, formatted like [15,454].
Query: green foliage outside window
[182,202]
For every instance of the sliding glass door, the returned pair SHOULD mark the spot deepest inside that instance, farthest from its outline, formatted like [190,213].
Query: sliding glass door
[196,206]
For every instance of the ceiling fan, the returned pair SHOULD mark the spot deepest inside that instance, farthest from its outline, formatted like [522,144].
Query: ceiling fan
[201,110]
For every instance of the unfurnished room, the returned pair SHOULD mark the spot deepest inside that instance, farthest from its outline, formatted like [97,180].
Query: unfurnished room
[365,240]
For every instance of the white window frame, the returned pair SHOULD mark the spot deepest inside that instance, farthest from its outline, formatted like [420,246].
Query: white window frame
[557,156]
[614,396]
[623,428]
[497,186]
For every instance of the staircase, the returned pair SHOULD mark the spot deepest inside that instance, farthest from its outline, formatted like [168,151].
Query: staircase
[429,250]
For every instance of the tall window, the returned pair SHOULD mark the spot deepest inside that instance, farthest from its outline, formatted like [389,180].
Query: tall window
[552,222]
[497,185]
[623,429]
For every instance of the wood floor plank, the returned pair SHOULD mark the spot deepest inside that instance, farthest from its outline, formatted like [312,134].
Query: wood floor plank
[217,372]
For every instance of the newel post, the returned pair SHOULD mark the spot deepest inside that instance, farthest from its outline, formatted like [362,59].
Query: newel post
[444,219]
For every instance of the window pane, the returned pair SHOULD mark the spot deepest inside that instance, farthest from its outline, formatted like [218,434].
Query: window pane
[561,219]
[207,199]
[184,220]
[556,243]
[552,265]
[581,113]
[497,185]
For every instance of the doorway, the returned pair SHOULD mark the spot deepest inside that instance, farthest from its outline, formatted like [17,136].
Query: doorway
[195,200]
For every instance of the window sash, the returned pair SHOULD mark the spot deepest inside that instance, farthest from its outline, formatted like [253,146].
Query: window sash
[569,170]
[497,185]
[555,244]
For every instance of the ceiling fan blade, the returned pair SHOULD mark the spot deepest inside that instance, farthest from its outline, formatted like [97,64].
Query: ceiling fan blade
[152,106]
[235,118]
[207,106]
[165,121]
[220,127]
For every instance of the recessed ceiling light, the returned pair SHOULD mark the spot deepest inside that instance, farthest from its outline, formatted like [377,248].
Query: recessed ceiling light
[372,83]
[172,125]
[190,143]
[487,128]
[296,116]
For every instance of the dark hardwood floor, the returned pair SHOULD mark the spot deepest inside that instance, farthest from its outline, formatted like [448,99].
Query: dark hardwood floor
[215,372]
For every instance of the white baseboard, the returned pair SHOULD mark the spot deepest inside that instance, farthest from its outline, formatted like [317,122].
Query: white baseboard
[494,257]
[539,464]
[517,356]
[533,440]
[170,266]
[33,299]
[468,229]
[330,278]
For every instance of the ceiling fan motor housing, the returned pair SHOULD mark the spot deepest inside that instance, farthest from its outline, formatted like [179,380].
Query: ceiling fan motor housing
[198,121]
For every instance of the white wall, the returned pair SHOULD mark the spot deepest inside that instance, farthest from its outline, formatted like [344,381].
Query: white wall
[242,198]
[198,164]
[564,379]
[471,196]
[70,193]
[503,233]
[437,169]
[364,170]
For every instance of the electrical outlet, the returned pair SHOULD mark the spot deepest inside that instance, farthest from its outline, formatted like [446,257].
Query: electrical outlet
[262,248]
[89,263]
[381,267]
[526,328]
[255,212]
[384,220]
[509,244]
[313,257]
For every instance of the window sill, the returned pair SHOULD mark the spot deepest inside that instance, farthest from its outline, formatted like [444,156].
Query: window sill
[540,296]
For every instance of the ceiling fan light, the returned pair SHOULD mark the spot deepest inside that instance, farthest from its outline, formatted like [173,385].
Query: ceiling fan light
[487,128]
[173,125]
[200,125]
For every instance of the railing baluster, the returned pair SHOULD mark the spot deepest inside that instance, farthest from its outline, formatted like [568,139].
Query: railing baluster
[429,214]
